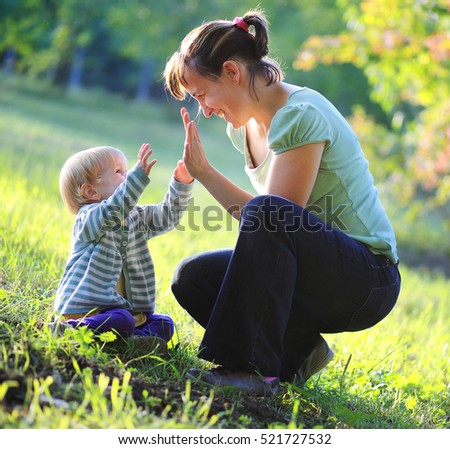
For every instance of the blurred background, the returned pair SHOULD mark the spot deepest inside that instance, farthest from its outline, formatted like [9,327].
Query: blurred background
[383,63]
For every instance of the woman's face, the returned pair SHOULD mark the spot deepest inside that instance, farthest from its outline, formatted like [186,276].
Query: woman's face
[222,97]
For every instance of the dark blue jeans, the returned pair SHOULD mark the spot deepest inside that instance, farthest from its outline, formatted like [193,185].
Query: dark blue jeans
[290,277]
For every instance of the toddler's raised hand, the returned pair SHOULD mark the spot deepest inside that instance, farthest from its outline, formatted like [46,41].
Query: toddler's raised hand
[181,174]
[144,158]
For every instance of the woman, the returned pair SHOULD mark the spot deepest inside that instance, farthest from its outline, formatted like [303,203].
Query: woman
[316,252]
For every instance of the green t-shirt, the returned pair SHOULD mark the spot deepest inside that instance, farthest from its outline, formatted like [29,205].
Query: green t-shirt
[344,194]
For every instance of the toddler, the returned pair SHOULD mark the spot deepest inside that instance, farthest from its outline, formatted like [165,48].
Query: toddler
[109,280]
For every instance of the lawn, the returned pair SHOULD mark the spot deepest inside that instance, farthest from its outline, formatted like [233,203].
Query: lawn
[394,375]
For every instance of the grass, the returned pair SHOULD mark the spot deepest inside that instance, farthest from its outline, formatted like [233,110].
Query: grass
[394,375]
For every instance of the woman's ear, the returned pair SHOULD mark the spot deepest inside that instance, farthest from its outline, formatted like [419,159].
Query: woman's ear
[88,192]
[232,71]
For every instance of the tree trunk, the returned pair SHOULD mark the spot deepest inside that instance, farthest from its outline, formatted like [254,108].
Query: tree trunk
[76,71]
[9,61]
[145,80]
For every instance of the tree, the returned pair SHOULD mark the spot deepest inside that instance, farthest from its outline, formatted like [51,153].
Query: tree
[51,37]
[24,25]
[78,23]
[403,47]
[147,32]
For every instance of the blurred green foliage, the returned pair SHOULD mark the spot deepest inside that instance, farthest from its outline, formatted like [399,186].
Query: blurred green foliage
[403,47]
[383,63]
[123,45]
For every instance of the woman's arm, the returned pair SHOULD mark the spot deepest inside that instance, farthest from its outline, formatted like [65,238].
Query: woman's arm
[292,174]
[229,195]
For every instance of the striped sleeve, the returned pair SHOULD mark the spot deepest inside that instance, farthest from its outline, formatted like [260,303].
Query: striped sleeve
[160,218]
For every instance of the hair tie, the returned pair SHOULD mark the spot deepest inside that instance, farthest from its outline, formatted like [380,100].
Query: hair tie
[240,23]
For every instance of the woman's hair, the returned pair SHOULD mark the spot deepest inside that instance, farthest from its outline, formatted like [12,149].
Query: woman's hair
[84,167]
[208,46]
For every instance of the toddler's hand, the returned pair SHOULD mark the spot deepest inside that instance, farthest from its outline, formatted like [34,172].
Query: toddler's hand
[181,174]
[143,158]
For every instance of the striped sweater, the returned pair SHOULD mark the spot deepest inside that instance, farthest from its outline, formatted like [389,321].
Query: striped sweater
[110,238]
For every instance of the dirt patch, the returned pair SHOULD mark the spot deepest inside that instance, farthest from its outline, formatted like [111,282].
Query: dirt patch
[167,396]
[259,412]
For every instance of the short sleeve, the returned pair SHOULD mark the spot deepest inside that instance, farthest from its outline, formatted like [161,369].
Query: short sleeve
[296,125]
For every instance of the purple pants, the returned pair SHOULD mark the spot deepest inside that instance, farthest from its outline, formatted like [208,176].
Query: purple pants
[122,321]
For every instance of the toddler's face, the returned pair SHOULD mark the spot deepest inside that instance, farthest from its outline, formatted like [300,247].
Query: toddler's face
[111,176]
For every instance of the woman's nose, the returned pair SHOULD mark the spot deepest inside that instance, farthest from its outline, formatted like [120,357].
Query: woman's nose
[207,112]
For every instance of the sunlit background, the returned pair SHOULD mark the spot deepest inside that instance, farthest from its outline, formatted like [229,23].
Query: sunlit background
[383,63]
[81,73]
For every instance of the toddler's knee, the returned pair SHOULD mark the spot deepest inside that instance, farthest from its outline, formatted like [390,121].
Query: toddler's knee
[167,326]
[125,322]
[158,325]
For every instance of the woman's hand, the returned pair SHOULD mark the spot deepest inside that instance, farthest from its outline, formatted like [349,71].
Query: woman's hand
[144,158]
[194,156]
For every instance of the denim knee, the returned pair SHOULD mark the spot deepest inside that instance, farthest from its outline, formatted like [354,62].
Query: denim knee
[258,203]
[266,212]
[276,214]
[181,281]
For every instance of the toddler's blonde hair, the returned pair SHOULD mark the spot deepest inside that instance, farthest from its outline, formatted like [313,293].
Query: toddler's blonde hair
[84,167]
